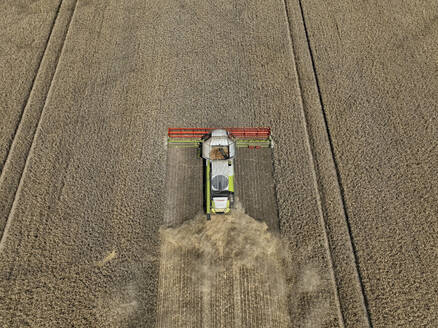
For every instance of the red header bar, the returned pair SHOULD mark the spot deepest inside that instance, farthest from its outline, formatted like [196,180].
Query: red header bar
[262,133]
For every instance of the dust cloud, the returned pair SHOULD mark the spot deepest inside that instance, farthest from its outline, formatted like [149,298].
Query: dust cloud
[227,272]
[117,309]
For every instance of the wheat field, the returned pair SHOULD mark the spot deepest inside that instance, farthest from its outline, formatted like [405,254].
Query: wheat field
[88,89]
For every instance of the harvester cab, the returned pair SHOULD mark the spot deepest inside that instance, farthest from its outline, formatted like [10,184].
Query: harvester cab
[218,150]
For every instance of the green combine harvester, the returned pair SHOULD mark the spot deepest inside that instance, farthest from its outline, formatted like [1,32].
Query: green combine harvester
[217,147]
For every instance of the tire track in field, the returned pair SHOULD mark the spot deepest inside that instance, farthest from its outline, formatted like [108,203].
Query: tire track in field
[15,163]
[227,272]
[352,306]
[12,174]
[338,176]
[32,86]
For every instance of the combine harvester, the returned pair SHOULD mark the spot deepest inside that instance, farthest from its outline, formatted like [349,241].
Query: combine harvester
[218,149]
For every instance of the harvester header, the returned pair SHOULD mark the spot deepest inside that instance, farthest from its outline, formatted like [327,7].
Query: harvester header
[244,137]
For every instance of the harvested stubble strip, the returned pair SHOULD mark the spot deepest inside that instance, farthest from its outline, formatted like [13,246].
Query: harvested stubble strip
[212,253]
